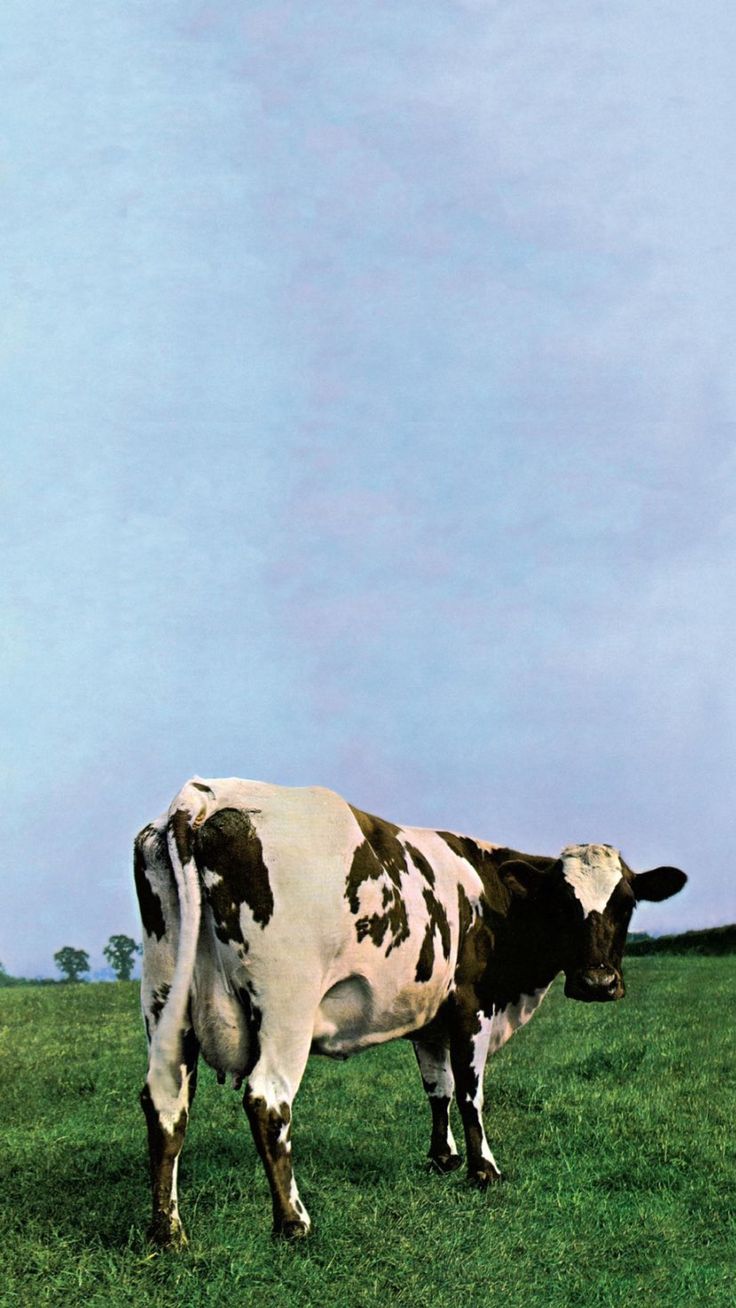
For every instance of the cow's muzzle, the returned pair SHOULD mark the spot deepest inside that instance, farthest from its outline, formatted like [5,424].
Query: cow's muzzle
[595,984]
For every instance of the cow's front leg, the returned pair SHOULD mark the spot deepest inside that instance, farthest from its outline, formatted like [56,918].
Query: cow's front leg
[166,1116]
[471,1031]
[434,1064]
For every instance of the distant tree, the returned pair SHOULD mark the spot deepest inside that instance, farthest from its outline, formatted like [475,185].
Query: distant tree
[7,980]
[71,962]
[120,952]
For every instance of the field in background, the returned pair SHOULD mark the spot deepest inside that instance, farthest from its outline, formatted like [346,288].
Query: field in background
[612,1123]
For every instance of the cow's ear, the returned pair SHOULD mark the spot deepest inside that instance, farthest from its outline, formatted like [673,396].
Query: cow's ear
[521,878]
[659,883]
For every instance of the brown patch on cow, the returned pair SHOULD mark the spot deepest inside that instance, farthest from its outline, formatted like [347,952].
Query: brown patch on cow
[182,833]
[207,790]
[486,863]
[151,910]
[437,921]
[164,1148]
[421,863]
[490,960]
[475,951]
[158,1000]
[267,1125]
[381,854]
[441,1157]
[436,914]
[382,836]
[438,918]
[425,962]
[466,913]
[228,845]
[464,846]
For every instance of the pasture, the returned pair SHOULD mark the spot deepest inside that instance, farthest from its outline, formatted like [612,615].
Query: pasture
[613,1124]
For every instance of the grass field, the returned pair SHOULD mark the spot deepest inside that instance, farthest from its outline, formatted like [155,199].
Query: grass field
[614,1125]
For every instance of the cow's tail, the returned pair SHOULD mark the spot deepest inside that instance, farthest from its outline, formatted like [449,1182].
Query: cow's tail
[167,1075]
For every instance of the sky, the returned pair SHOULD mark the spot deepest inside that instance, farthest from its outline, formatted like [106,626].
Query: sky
[368,383]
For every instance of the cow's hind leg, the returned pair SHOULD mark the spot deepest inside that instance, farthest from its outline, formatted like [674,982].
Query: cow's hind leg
[434,1064]
[166,1131]
[268,1100]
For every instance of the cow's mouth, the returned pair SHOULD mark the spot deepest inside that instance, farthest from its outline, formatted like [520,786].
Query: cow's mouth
[595,985]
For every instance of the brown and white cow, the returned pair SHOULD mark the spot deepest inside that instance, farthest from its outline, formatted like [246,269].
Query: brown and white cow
[283,922]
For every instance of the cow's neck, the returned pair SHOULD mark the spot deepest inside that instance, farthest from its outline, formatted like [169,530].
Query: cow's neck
[523,950]
[524,954]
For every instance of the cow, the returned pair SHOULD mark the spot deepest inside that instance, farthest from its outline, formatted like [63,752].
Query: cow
[280,922]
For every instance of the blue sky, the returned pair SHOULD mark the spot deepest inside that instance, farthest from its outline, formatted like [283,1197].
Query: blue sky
[368,382]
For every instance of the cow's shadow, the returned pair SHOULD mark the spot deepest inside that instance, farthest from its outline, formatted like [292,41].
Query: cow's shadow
[99,1194]
[365,1165]
[86,1193]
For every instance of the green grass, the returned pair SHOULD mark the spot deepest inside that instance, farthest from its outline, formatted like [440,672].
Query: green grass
[613,1124]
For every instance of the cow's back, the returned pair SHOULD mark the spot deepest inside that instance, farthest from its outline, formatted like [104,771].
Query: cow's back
[309,904]
[273,859]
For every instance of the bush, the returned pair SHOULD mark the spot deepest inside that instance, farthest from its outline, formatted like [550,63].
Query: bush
[713,940]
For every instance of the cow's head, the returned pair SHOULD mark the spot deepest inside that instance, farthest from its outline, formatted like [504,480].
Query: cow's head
[587,897]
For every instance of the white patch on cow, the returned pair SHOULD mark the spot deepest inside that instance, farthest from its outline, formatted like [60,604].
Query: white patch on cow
[297,1204]
[505,1021]
[480,1053]
[370,896]
[437,1071]
[169,1098]
[593,871]
[211,878]
[174,1192]
[485,1152]
[274,1088]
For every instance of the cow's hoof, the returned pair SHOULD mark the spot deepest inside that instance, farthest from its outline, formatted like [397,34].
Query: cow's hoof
[444,1163]
[168,1235]
[293,1230]
[482,1177]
